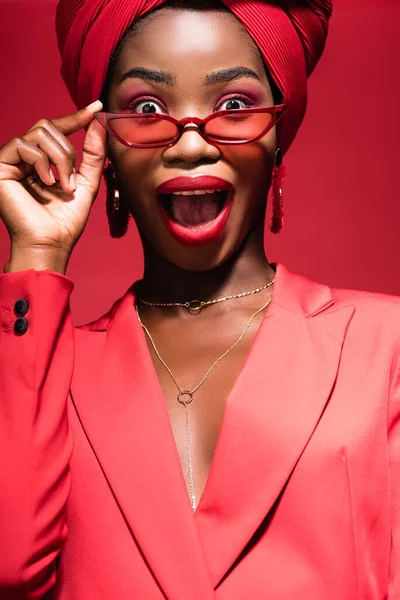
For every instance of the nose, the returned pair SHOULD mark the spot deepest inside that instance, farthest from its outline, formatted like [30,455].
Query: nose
[191,148]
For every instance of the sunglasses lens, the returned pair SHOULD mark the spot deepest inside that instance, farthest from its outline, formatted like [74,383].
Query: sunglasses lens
[145,130]
[239,126]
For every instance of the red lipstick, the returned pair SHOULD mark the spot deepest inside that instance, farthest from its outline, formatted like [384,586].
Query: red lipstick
[203,233]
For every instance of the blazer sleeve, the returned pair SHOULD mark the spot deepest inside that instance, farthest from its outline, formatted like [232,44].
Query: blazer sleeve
[394,458]
[36,363]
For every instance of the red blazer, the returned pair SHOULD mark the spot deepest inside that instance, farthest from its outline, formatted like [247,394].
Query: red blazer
[303,497]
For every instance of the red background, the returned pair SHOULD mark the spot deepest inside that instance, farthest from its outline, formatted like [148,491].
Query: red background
[341,192]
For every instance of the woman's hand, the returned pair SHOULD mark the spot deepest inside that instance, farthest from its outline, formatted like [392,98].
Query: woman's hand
[45,218]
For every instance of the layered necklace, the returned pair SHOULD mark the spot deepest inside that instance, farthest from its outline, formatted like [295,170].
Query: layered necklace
[185,396]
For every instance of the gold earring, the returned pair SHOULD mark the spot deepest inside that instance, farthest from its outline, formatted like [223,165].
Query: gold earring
[278,175]
[115,207]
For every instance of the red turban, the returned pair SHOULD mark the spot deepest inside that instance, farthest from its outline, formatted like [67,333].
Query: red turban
[290,34]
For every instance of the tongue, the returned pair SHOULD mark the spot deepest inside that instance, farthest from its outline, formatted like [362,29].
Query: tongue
[195,210]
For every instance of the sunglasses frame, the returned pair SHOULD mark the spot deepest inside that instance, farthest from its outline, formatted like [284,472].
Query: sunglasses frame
[104,119]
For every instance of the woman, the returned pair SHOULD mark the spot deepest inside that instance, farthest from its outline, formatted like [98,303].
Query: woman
[228,429]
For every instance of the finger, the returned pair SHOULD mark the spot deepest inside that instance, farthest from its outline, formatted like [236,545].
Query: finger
[79,120]
[58,136]
[57,156]
[93,158]
[31,155]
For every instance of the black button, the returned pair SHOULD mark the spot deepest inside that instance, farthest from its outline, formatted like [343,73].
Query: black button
[21,307]
[21,326]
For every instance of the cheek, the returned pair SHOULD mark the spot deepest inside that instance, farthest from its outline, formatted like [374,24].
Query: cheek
[252,164]
[135,168]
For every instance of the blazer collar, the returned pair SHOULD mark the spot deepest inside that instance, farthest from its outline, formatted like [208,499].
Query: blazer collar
[270,416]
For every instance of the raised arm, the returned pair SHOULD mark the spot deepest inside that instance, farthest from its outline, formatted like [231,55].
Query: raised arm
[44,219]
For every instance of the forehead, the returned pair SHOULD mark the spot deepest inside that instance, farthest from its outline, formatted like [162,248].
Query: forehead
[179,40]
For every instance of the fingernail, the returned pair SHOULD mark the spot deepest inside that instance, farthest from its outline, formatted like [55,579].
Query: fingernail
[95,105]
[72,182]
[53,179]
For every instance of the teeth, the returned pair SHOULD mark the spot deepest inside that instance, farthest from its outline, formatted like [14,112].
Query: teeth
[195,192]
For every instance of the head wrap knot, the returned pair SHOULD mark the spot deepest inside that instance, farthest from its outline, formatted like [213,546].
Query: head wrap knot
[290,34]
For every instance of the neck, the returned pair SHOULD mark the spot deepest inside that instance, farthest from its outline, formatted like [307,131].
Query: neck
[246,270]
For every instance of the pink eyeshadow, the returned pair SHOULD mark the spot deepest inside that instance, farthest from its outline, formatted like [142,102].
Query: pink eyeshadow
[129,93]
[236,87]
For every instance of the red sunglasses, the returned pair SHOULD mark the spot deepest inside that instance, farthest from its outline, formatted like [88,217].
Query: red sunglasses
[154,130]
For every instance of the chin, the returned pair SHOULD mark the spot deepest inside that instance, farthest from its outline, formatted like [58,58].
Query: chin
[202,247]
[200,259]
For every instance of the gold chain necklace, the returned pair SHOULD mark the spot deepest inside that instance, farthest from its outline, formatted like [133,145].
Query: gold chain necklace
[195,306]
[185,397]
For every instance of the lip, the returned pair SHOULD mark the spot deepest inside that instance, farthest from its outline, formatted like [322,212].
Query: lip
[203,234]
[187,184]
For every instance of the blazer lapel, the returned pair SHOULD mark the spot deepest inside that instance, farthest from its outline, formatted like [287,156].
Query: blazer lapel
[270,415]
[119,402]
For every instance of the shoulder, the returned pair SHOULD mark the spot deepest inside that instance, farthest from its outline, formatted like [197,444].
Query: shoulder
[110,317]
[375,323]
[385,305]
[374,318]
[376,315]
[299,293]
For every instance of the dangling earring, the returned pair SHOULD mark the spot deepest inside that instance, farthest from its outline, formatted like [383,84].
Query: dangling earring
[118,214]
[115,207]
[278,175]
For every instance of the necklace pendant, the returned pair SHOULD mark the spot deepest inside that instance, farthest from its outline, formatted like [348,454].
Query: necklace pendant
[194,307]
[181,397]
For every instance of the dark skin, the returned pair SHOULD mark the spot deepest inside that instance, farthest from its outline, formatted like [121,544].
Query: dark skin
[45,218]
[191,45]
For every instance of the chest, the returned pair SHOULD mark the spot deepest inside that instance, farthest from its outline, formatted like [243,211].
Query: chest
[207,365]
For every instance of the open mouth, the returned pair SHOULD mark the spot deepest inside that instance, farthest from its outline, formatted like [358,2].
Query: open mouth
[194,208]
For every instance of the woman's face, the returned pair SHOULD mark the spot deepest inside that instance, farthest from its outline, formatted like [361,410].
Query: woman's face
[189,63]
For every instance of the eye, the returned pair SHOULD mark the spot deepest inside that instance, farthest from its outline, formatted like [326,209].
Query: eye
[234,104]
[147,106]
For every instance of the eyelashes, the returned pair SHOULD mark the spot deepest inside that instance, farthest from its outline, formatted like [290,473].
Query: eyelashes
[151,105]
[149,102]
[235,99]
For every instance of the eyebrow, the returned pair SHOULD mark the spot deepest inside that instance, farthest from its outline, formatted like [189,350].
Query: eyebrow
[216,77]
[149,75]
[227,75]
